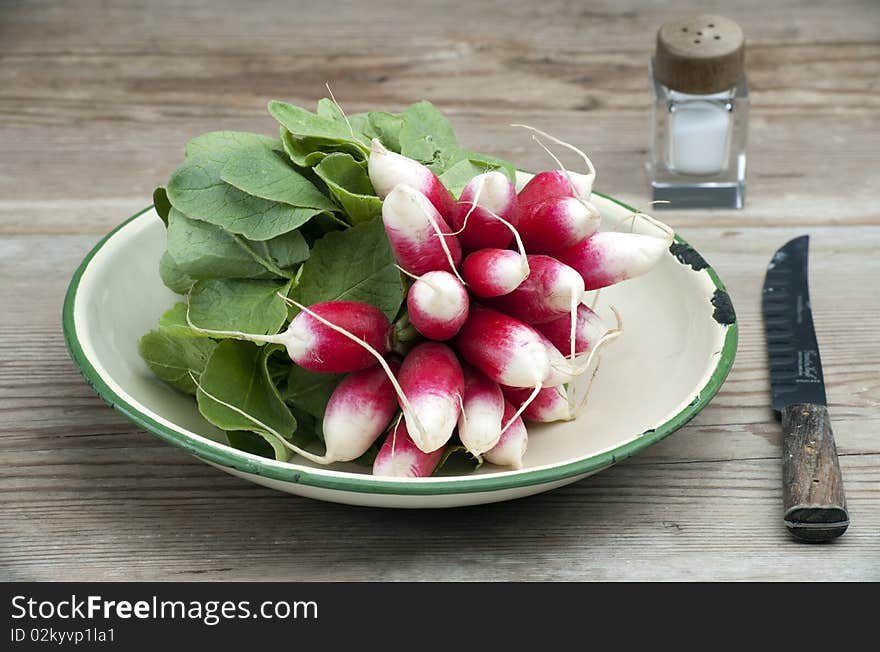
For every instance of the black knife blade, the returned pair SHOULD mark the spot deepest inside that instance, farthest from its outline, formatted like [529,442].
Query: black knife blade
[793,353]
[815,505]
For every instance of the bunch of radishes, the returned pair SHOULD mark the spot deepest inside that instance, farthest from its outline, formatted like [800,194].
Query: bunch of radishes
[498,281]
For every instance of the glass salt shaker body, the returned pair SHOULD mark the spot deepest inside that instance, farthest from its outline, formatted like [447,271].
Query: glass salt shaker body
[700,115]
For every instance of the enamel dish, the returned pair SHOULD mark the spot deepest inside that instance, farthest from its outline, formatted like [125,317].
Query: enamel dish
[679,341]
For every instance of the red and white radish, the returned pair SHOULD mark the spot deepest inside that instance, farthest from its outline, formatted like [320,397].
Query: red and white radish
[608,257]
[358,412]
[555,183]
[589,328]
[511,448]
[420,238]
[556,223]
[387,169]
[551,290]
[313,346]
[494,272]
[561,183]
[432,380]
[437,305]
[505,349]
[551,404]
[479,426]
[486,198]
[399,456]
[330,337]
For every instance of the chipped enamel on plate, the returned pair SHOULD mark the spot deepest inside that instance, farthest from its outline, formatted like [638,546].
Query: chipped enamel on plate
[678,345]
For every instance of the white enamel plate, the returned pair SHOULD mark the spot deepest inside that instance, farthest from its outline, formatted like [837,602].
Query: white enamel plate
[679,341]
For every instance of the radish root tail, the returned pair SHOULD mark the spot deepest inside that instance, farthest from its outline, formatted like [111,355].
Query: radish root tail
[523,407]
[345,117]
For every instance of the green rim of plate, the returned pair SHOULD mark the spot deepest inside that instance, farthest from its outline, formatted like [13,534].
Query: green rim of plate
[230,457]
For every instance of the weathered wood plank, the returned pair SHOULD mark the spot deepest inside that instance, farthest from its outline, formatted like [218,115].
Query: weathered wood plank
[96,101]
[630,522]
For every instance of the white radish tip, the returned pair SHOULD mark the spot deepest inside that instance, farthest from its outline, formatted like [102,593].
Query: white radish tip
[376,147]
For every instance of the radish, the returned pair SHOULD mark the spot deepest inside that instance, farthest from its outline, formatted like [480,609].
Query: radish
[503,348]
[486,198]
[551,404]
[511,448]
[437,304]
[387,169]
[562,370]
[551,290]
[588,330]
[608,257]
[560,183]
[479,426]
[359,410]
[420,238]
[555,223]
[399,456]
[330,337]
[494,272]
[553,184]
[432,380]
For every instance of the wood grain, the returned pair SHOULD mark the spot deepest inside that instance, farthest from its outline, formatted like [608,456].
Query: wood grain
[96,102]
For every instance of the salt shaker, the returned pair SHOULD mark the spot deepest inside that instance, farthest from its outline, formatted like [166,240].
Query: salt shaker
[700,114]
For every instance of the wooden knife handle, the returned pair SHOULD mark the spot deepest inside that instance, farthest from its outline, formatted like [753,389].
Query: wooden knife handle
[812,487]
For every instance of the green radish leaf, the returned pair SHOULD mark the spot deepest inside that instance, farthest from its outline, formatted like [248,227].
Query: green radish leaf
[172,357]
[173,322]
[308,152]
[236,374]
[305,124]
[460,174]
[265,173]
[308,427]
[352,265]
[224,145]
[387,127]
[458,457]
[488,162]
[203,251]
[379,124]
[286,250]
[196,189]
[161,204]
[327,109]
[466,165]
[369,457]
[264,446]
[309,390]
[427,136]
[244,305]
[174,278]
[350,185]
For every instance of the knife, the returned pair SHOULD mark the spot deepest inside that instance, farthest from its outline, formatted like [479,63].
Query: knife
[812,486]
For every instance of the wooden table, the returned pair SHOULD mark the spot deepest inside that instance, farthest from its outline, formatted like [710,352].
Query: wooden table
[97,100]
